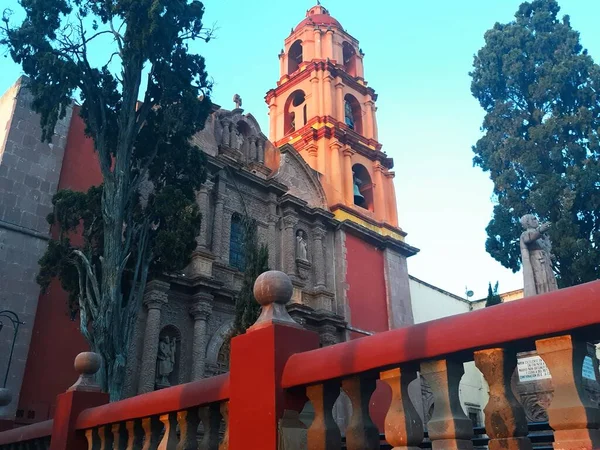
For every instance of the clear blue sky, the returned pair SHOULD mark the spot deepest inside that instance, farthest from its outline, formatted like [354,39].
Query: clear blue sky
[418,55]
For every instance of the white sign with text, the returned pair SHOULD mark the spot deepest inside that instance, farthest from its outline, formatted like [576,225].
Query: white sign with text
[534,368]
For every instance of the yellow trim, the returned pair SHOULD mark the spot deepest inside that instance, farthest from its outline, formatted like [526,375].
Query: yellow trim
[296,139]
[342,215]
[319,125]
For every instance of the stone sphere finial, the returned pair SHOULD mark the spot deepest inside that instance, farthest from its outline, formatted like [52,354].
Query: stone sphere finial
[87,364]
[273,290]
[5,397]
[273,287]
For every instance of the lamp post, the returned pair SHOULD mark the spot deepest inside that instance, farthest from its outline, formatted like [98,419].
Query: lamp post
[5,397]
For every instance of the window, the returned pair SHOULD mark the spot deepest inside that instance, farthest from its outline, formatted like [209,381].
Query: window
[363,188]
[295,112]
[348,115]
[349,55]
[353,113]
[474,418]
[236,243]
[294,57]
[474,413]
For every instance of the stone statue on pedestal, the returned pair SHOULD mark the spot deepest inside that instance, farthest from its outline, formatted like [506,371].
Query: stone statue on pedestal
[166,360]
[536,255]
[301,246]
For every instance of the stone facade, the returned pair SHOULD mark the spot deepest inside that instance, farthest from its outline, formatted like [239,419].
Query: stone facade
[29,175]
[197,306]
[305,213]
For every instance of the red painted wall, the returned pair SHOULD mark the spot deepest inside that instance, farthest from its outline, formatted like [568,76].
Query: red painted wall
[368,306]
[56,339]
[366,279]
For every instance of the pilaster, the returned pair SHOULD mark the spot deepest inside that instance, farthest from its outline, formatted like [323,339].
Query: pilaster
[200,311]
[290,220]
[155,297]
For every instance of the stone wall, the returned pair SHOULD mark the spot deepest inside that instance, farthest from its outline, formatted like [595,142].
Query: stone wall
[29,174]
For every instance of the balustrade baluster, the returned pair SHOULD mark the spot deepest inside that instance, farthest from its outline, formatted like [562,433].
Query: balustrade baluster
[403,425]
[188,421]
[119,432]
[224,408]
[361,433]
[93,437]
[106,437]
[211,421]
[152,429]
[572,415]
[135,434]
[505,421]
[169,439]
[449,428]
[323,433]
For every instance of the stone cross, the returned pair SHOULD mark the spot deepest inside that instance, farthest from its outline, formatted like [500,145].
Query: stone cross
[238,101]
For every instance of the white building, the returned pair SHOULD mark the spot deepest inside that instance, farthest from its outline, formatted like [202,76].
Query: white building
[429,303]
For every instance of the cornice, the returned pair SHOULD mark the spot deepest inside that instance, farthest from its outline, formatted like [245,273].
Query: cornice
[306,70]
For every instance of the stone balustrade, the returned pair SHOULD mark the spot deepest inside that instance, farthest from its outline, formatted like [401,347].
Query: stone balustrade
[277,367]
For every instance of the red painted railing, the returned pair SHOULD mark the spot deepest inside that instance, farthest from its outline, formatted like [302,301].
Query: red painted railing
[36,435]
[277,365]
[517,323]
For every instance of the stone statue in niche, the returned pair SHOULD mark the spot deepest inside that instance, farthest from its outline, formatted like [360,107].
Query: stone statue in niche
[165,360]
[536,255]
[301,246]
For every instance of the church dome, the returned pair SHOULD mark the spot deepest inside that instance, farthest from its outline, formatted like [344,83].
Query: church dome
[318,15]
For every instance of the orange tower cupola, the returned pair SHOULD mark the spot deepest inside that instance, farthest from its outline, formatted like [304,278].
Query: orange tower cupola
[323,106]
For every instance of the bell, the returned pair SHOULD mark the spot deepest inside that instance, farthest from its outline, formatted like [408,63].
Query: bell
[358,197]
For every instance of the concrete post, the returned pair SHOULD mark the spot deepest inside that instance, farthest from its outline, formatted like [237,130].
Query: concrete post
[258,357]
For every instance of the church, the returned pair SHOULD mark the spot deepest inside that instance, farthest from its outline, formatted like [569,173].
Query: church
[317,183]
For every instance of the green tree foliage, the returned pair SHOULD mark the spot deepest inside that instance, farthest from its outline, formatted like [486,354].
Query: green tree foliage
[539,89]
[493,298]
[256,262]
[110,54]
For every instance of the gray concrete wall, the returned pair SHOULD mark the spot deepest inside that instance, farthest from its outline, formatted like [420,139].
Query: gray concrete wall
[400,311]
[29,175]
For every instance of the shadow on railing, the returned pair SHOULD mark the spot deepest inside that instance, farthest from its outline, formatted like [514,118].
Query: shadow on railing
[540,435]
[276,367]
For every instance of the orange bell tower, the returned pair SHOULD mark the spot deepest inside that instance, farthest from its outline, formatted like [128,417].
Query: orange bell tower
[323,106]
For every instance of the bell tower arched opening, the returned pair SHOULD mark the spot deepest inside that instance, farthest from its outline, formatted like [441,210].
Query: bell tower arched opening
[294,57]
[363,187]
[349,55]
[353,113]
[295,112]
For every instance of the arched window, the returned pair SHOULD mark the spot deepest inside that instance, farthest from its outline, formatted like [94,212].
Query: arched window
[353,113]
[295,112]
[363,187]
[236,243]
[294,57]
[349,55]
